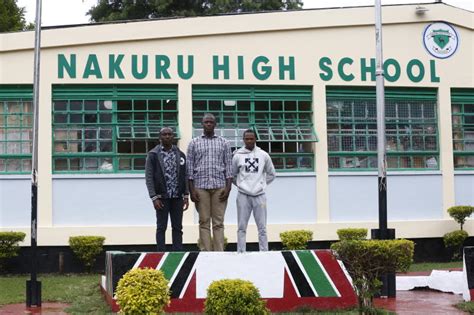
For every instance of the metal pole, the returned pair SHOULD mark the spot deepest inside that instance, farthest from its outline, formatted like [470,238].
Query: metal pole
[33,287]
[388,280]
[380,91]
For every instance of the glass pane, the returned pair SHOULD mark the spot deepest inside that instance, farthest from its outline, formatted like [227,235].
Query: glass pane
[60,105]
[106,165]
[13,165]
[90,146]
[170,105]
[26,165]
[75,105]
[75,118]
[74,164]
[60,118]
[124,146]
[125,164]
[243,105]
[105,118]
[91,163]
[105,146]
[60,164]
[124,105]
[139,164]
[278,163]
[90,105]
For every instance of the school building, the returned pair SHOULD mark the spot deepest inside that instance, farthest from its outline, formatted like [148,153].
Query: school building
[304,80]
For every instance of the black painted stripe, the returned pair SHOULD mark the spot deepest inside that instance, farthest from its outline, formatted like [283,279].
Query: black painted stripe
[183,275]
[301,283]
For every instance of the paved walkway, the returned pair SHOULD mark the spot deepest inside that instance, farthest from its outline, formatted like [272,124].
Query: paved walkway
[46,308]
[422,301]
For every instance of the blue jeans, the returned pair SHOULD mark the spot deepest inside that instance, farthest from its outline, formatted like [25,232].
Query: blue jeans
[173,207]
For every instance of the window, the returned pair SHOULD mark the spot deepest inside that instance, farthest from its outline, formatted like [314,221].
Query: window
[103,129]
[411,129]
[462,104]
[16,129]
[280,115]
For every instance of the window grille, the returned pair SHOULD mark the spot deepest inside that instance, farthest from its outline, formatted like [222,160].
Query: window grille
[462,105]
[280,115]
[16,129]
[411,129]
[109,128]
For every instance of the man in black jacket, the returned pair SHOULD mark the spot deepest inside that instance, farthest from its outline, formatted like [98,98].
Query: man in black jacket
[165,175]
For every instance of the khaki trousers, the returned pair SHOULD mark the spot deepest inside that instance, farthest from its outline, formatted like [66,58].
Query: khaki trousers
[211,208]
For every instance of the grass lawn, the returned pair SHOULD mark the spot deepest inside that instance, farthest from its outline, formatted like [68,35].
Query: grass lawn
[80,290]
[431,266]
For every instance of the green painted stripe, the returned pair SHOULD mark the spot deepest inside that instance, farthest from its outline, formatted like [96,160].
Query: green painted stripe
[171,264]
[316,275]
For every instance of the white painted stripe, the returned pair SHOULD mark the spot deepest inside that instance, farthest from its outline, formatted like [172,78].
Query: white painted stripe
[292,281]
[188,280]
[139,261]
[176,271]
[162,261]
[326,274]
[304,273]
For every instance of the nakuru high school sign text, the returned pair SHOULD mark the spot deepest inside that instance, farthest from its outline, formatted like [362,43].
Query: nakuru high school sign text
[224,67]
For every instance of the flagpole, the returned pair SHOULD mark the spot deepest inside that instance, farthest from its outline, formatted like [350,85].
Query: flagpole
[388,280]
[33,286]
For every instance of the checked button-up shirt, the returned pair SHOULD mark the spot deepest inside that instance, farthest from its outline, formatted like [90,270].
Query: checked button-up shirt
[209,162]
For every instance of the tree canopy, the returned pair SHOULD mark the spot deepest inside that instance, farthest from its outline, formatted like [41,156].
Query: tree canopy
[12,17]
[115,10]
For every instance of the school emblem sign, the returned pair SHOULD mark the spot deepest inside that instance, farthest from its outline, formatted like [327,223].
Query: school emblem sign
[441,40]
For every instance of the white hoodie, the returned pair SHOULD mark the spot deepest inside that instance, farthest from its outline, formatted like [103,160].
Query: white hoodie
[252,170]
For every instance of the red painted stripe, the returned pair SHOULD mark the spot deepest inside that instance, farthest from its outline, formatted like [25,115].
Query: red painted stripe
[151,260]
[110,300]
[337,276]
[189,303]
[471,293]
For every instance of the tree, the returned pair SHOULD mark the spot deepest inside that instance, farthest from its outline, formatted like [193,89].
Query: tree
[12,17]
[114,10]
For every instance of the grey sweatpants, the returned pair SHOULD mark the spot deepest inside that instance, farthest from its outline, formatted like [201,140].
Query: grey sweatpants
[245,206]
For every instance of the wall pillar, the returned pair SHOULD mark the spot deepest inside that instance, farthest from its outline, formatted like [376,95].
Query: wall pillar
[321,156]
[446,147]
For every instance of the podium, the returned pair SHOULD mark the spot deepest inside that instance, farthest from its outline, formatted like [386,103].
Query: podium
[285,279]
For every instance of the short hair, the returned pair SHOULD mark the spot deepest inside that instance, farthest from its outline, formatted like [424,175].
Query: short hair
[208,115]
[166,128]
[249,131]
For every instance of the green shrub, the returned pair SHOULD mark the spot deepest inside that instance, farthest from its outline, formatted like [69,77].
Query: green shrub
[297,239]
[460,213]
[367,260]
[352,234]
[87,248]
[455,240]
[9,246]
[234,296]
[143,291]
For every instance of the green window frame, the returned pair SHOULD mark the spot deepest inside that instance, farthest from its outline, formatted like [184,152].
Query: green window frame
[109,128]
[411,129]
[462,109]
[280,115]
[16,129]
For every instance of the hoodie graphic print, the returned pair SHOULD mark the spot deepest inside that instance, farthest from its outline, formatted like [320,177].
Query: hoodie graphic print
[253,170]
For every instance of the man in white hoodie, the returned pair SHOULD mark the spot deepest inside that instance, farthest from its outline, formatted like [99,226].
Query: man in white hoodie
[253,170]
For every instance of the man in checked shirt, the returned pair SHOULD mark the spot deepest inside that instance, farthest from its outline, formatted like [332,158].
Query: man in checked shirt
[209,171]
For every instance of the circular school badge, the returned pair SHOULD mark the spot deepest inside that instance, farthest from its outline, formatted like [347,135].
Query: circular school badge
[441,40]
[181,161]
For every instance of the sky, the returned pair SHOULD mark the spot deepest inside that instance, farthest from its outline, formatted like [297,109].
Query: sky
[67,12]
